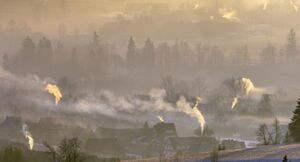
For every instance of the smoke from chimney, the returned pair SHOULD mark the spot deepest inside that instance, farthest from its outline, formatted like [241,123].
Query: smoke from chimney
[55,91]
[28,136]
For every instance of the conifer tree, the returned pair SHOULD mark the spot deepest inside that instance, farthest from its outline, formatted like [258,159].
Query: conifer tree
[291,46]
[294,126]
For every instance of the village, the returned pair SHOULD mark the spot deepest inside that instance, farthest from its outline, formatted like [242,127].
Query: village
[160,139]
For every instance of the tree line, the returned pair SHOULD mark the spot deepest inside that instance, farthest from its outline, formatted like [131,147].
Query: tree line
[102,60]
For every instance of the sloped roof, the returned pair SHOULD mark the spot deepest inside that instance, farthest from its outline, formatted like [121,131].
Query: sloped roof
[164,127]
[11,122]
[104,145]
[193,144]
[179,141]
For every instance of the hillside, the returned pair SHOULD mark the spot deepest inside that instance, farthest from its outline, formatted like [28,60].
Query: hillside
[258,154]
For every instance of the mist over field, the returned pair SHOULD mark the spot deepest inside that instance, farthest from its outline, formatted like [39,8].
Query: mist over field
[122,69]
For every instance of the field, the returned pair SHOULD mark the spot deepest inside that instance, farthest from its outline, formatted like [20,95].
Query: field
[259,154]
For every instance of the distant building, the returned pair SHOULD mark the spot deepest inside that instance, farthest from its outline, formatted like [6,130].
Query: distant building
[11,122]
[11,128]
[53,131]
[8,143]
[233,144]
[141,142]
[192,144]
[104,147]
[165,130]
[121,134]
[150,141]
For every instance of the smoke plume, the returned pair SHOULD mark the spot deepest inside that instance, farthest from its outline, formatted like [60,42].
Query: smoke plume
[55,91]
[160,118]
[193,112]
[27,136]
[266,4]
[294,5]
[28,94]
[234,102]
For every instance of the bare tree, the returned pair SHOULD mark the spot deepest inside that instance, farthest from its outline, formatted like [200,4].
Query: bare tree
[277,131]
[214,155]
[169,84]
[69,151]
[52,151]
[262,134]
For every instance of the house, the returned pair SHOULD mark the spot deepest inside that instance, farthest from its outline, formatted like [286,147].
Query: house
[165,130]
[121,134]
[53,131]
[104,147]
[233,144]
[7,143]
[11,122]
[142,142]
[192,144]
[11,128]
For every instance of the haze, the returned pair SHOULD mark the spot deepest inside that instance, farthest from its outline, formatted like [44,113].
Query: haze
[227,65]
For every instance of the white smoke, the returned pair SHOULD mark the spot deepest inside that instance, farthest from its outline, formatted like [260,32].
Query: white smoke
[28,136]
[234,89]
[161,119]
[27,92]
[229,14]
[185,107]
[196,6]
[266,4]
[294,5]
[133,108]
[234,102]
[247,87]
[254,4]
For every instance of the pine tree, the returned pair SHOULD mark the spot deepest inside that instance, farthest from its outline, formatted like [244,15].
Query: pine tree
[5,61]
[175,56]
[200,54]
[291,46]
[264,108]
[74,64]
[95,40]
[287,138]
[146,125]
[268,54]
[28,46]
[294,125]
[163,57]
[131,58]
[149,54]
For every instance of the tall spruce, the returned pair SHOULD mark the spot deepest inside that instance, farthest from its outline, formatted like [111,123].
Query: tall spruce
[294,125]
[131,51]
[291,46]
